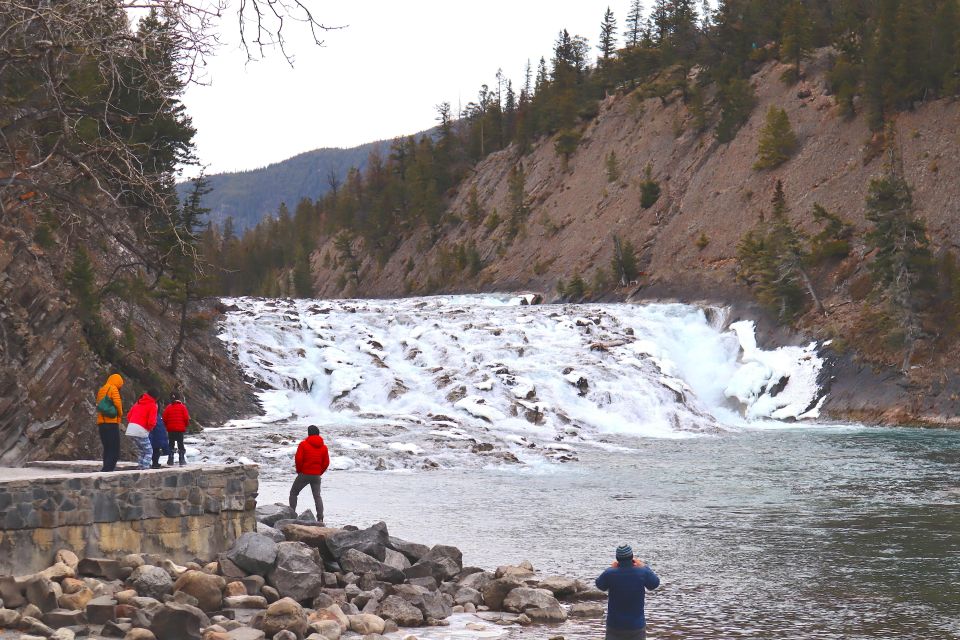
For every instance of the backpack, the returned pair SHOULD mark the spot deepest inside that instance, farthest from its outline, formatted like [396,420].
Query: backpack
[106,408]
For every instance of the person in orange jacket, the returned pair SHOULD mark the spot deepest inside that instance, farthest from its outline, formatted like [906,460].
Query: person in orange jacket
[311,460]
[109,426]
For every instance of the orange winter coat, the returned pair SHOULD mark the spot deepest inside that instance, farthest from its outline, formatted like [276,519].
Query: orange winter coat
[112,388]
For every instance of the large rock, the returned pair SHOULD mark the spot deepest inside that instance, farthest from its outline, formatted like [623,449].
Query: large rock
[245,602]
[76,600]
[269,514]
[205,587]
[400,611]
[396,560]
[9,618]
[551,614]
[100,610]
[366,623]
[43,593]
[284,614]
[327,628]
[333,613]
[468,594]
[246,633]
[314,536]
[523,598]
[371,541]
[11,592]
[63,618]
[298,572]
[587,610]
[254,553]
[477,580]
[274,534]
[434,605]
[496,590]
[99,568]
[360,563]
[412,550]
[178,622]
[560,587]
[150,581]
[522,571]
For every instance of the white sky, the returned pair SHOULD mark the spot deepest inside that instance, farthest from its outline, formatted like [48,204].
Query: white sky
[379,77]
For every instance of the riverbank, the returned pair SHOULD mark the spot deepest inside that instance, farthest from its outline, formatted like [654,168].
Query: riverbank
[291,579]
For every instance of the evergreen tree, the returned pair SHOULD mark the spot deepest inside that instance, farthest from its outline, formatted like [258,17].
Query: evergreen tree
[902,263]
[613,167]
[649,188]
[797,37]
[634,30]
[736,102]
[517,196]
[777,140]
[624,264]
[608,36]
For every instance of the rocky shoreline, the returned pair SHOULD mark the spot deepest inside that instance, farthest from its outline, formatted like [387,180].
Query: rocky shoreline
[292,579]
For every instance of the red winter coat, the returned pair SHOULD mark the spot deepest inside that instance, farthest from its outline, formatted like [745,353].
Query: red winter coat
[312,457]
[176,417]
[144,413]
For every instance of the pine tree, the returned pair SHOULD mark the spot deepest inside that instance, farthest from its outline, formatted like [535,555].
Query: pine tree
[634,31]
[902,263]
[777,140]
[608,36]
[624,264]
[517,196]
[736,100]
[649,188]
[797,35]
[613,167]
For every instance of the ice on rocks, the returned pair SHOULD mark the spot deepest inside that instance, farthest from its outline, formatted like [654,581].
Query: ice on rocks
[475,381]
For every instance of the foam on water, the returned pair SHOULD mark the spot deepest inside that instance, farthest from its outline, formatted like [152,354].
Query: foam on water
[454,381]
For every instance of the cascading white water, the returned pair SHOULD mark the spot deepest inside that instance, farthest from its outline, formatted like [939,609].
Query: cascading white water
[480,380]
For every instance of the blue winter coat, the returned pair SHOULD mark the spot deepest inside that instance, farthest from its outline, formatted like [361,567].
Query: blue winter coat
[627,586]
[158,436]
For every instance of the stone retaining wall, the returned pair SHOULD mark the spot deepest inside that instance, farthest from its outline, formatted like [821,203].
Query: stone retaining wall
[182,514]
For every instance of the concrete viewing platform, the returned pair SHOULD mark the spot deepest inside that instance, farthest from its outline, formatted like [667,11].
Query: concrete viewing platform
[183,513]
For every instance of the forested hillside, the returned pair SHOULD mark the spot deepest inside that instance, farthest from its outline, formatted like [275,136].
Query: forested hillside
[246,197]
[802,155]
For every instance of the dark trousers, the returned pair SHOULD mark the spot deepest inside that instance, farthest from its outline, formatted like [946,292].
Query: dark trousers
[626,634]
[110,438]
[176,439]
[302,481]
[158,452]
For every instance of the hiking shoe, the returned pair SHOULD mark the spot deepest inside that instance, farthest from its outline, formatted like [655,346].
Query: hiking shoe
[156,465]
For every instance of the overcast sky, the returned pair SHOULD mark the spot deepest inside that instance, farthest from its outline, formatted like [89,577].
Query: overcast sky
[378,77]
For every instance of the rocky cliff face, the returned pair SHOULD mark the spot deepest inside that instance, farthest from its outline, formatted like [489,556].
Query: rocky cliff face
[48,372]
[710,193]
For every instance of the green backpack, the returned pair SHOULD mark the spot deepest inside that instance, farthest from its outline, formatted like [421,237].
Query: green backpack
[106,408]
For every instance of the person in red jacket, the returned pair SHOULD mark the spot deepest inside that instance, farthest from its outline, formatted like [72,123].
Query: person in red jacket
[177,419]
[141,420]
[311,461]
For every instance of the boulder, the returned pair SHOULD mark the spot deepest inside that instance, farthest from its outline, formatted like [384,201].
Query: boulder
[178,622]
[434,605]
[245,633]
[270,593]
[328,629]
[587,610]
[206,588]
[100,610]
[245,602]
[67,557]
[284,614]
[550,614]
[139,634]
[173,568]
[269,514]
[312,535]
[400,611]
[43,593]
[32,625]
[9,618]
[371,541]
[588,594]
[271,532]
[11,592]
[496,590]
[366,623]
[99,568]
[298,573]
[360,563]
[477,580]
[523,598]
[285,635]
[522,571]
[151,581]
[58,618]
[254,553]
[332,613]
[412,550]
[559,587]
[76,600]
[57,572]
[253,584]
[229,569]
[429,583]
[395,559]
[235,588]
[468,594]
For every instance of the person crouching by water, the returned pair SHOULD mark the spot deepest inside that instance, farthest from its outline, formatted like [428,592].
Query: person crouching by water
[177,419]
[140,422]
[311,461]
[109,416]
[626,580]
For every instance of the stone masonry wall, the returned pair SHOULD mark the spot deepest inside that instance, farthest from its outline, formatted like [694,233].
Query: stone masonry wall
[182,514]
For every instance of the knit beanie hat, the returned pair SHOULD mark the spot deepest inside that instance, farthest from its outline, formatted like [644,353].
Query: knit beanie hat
[624,553]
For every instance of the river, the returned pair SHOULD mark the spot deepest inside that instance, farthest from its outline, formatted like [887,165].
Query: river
[757,528]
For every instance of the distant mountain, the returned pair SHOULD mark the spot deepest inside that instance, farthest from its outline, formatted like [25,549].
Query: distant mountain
[249,196]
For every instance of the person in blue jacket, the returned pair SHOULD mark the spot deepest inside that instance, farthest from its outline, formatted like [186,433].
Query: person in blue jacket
[160,443]
[627,581]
